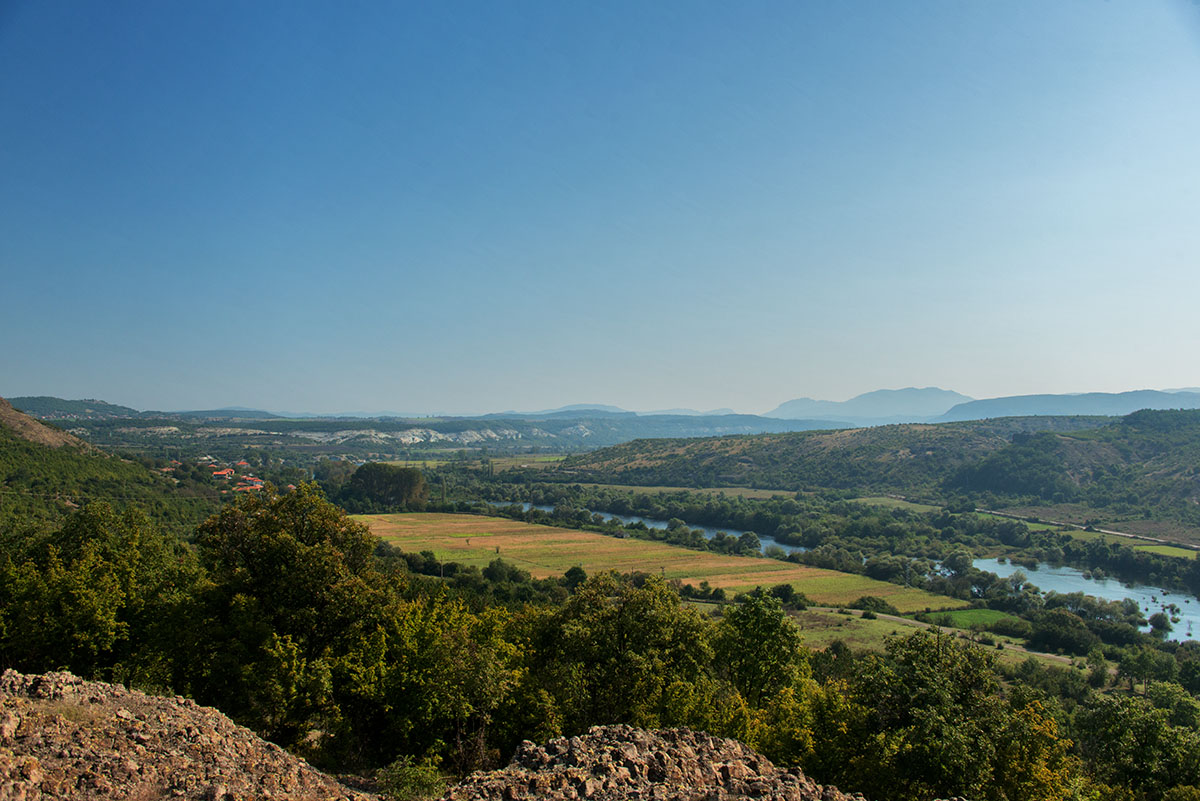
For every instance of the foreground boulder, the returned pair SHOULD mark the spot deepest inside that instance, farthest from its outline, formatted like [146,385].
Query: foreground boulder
[612,763]
[65,738]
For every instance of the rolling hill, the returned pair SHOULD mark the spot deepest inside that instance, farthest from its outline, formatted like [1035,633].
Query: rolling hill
[1089,403]
[1141,471]
[45,472]
[910,458]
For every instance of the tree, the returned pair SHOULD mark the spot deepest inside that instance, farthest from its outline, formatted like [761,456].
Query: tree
[612,651]
[103,596]
[921,723]
[386,487]
[1129,742]
[292,587]
[758,648]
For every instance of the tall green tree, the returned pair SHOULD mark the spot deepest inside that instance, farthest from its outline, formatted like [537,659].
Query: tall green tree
[378,486]
[614,650]
[104,596]
[759,649]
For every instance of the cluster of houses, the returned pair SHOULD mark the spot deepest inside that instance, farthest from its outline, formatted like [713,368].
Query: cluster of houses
[238,474]
[246,482]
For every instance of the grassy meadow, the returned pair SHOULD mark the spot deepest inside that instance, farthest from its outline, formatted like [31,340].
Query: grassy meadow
[820,628]
[965,618]
[546,551]
[897,503]
[1137,545]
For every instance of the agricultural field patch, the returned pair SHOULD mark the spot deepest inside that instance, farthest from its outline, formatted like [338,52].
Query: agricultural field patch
[1033,526]
[965,618]
[1168,550]
[1137,545]
[1086,536]
[546,551]
[528,461]
[821,628]
[897,503]
[1080,515]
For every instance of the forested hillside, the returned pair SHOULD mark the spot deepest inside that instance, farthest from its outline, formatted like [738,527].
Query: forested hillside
[1142,467]
[45,473]
[912,458]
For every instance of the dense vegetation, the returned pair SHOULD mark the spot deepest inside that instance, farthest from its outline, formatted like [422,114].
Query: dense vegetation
[38,483]
[294,619]
[931,550]
[1141,466]
[291,617]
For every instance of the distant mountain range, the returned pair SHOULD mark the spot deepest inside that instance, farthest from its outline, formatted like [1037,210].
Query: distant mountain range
[882,406]
[1089,403]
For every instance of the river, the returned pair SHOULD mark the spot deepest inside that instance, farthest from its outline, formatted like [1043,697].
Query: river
[1065,579]
[709,533]
[1046,577]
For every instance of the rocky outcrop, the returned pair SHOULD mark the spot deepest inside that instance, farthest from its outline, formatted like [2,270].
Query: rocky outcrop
[62,737]
[65,738]
[615,763]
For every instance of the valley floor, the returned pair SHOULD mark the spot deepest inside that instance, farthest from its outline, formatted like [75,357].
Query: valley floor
[546,551]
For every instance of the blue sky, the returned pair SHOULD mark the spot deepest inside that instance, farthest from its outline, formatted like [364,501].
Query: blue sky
[466,207]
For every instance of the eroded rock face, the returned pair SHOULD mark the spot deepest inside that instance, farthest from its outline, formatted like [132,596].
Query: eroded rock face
[612,763]
[65,738]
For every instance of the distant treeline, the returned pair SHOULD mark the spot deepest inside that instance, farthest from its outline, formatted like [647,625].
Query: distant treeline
[1144,464]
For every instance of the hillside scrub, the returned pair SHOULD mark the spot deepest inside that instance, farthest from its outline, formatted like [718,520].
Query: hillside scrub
[1142,465]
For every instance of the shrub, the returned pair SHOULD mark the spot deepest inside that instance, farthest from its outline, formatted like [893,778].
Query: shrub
[408,780]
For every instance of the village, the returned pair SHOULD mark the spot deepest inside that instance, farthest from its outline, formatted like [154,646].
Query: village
[237,475]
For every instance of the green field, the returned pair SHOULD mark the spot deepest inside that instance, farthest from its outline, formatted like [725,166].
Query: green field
[1168,550]
[820,628]
[546,551]
[535,461]
[897,503]
[965,618]
[1032,526]
[1096,535]
[1136,544]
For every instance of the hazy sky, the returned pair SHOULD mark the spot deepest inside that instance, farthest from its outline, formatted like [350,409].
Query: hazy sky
[466,207]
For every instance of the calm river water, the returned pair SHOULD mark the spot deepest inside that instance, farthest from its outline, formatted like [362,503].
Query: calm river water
[1047,578]
[709,533]
[1069,579]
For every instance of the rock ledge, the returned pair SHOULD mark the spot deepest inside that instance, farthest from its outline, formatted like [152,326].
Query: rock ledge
[62,737]
[616,763]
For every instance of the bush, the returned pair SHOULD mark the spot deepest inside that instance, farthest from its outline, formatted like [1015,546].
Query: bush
[407,780]
[873,603]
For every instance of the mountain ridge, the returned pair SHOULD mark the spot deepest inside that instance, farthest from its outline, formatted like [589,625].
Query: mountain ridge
[883,404]
[1085,403]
